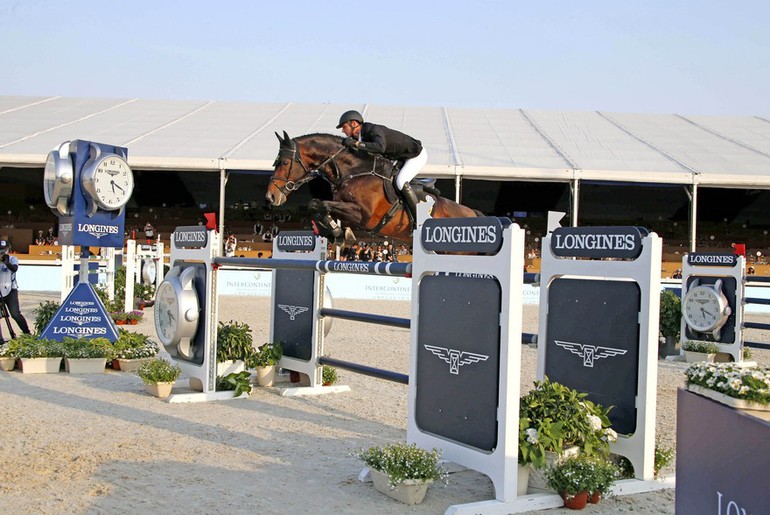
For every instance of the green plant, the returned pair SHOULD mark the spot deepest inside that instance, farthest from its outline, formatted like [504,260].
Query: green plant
[750,384]
[240,382]
[144,291]
[328,375]
[746,353]
[75,348]
[109,305]
[664,456]
[118,316]
[5,351]
[553,417]
[158,371]
[699,346]
[44,312]
[577,474]
[268,354]
[132,316]
[30,346]
[130,345]
[670,314]
[120,282]
[234,341]
[401,462]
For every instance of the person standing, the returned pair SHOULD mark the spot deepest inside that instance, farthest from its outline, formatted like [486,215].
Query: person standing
[392,144]
[9,289]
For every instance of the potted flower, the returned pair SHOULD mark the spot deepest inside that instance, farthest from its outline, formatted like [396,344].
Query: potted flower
[86,355]
[44,312]
[134,317]
[695,350]
[579,477]
[556,421]
[670,323]
[728,383]
[144,295]
[235,345]
[131,350]
[403,471]
[158,376]
[7,360]
[328,375]
[38,356]
[264,360]
[119,317]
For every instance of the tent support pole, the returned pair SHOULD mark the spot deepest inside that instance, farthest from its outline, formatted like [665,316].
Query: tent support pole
[575,194]
[693,215]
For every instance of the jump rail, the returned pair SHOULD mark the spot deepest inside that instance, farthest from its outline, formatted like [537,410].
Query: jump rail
[350,267]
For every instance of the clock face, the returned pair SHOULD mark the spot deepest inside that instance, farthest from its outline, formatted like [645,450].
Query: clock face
[113,182]
[167,313]
[49,179]
[148,271]
[703,309]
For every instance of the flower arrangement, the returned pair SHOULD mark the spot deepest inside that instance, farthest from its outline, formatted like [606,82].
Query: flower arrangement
[750,384]
[5,351]
[30,346]
[130,345]
[577,474]
[402,462]
[268,354]
[78,348]
[158,371]
[699,346]
[328,375]
[553,417]
[133,317]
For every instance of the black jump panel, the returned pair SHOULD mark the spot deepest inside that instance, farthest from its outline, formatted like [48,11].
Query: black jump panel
[592,343]
[293,324]
[458,359]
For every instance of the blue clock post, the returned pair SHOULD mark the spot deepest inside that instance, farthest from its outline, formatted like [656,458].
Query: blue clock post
[92,184]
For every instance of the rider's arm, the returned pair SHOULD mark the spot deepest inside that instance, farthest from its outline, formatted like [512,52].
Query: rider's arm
[11,263]
[375,141]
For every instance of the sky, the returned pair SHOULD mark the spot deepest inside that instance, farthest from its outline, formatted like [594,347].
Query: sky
[687,57]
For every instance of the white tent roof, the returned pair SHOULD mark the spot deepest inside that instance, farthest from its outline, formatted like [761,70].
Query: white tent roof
[492,144]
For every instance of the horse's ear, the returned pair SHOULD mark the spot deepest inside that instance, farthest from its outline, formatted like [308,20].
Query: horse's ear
[279,137]
[286,136]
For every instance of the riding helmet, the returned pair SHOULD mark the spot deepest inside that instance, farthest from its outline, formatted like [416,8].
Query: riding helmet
[4,246]
[350,115]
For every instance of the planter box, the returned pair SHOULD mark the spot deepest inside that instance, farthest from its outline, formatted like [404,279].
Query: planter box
[161,390]
[85,365]
[726,399]
[7,364]
[40,365]
[409,492]
[230,367]
[695,357]
[131,365]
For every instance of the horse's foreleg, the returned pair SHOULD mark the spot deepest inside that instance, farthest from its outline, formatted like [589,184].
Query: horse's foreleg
[326,213]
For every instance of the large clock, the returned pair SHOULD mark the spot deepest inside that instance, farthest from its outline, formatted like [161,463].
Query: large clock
[107,181]
[705,308]
[58,179]
[148,271]
[177,311]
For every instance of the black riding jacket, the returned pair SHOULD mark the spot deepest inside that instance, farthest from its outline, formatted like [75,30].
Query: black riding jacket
[378,139]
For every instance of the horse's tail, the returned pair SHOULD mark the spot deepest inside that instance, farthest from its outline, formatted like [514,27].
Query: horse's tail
[478,213]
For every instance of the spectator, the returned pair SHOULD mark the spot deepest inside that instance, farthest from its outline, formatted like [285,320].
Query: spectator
[149,232]
[9,290]
[40,240]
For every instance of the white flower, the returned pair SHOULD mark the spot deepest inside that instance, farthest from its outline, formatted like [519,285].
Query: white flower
[531,435]
[596,422]
[611,435]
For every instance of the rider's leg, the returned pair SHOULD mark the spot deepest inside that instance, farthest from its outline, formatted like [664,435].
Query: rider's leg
[410,169]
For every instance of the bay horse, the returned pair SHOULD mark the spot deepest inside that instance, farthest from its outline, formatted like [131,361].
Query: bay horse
[363,195]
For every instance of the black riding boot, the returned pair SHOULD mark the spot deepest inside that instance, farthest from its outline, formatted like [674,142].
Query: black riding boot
[410,201]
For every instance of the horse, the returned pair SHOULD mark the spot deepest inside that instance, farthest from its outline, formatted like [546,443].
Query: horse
[361,183]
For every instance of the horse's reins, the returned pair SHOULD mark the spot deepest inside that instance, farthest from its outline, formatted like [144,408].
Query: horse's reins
[309,174]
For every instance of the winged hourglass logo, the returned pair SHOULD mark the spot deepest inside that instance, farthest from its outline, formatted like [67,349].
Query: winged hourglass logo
[456,358]
[292,311]
[589,353]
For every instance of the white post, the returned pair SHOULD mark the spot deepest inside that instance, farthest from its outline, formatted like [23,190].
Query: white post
[68,270]
[130,275]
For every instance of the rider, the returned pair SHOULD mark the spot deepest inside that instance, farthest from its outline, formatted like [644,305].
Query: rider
[394,145]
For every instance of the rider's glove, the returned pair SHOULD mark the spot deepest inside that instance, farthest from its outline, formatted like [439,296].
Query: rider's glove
[349,142]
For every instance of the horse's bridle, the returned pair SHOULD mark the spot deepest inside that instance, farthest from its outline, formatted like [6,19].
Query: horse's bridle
[289,185]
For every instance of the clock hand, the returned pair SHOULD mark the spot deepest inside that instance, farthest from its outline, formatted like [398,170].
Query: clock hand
[706,312]
[112,183]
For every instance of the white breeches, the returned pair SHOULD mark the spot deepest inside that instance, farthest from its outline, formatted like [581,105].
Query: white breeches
[411,168]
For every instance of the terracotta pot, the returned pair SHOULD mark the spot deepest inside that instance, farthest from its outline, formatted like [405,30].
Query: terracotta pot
[120,322]
[133,322]
[575,502]
[294,376]
[595,497]
[115,364]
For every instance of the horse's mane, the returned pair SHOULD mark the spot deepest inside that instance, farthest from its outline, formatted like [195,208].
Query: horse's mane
[360,157]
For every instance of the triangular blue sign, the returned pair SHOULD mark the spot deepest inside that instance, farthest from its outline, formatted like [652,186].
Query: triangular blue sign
[81,315]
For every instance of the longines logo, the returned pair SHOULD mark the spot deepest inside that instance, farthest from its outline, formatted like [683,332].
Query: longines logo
[292,311]
[98,230]
[589,353]
[456,358]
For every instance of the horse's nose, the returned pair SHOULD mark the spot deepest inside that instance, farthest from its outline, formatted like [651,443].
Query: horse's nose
[269,197]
